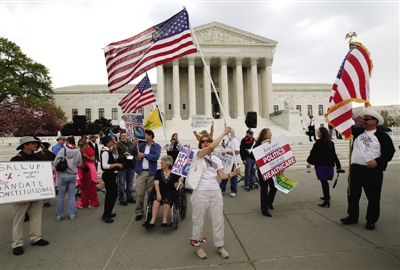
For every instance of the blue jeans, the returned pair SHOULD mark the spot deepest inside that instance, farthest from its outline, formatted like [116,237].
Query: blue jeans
[249,172]
[125,177]
[66,184]
[234,182]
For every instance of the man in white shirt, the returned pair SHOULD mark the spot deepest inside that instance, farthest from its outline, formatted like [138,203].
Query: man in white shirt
[372,150]
[311,128]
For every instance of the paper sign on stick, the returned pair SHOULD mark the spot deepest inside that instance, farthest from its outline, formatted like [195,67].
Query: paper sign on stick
[26,181]
[274,157]
[227,160]
[183,161]
[201,122]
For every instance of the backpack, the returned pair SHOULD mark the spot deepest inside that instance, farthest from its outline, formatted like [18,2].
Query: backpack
[62,165]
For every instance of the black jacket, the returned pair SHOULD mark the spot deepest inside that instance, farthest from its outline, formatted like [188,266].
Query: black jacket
[322,155]
[387,147]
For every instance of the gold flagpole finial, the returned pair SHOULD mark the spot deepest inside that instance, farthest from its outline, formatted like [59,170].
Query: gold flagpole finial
[350,35]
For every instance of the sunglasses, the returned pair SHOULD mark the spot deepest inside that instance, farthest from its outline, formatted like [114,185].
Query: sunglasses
[80,144]
[203,141]
[367,119]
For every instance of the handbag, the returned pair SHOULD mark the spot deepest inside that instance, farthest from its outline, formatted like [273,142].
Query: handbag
[62,165]
[194,174]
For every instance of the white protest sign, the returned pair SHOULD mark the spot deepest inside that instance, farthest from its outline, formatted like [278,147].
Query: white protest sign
[201,122]
[183,161]
[26,181]
[227,160]
[274,157]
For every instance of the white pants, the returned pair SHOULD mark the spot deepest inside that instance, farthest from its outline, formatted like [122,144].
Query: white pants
[208,202]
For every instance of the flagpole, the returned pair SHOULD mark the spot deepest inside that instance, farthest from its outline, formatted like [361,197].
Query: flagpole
[213,86]
[162,122]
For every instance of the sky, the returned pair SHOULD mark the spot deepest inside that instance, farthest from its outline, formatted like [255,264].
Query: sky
[68,36]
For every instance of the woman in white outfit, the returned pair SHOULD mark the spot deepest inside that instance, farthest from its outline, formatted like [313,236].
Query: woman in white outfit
[207,198]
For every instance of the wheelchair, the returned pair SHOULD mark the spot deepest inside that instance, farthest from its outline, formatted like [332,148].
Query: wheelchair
[178,208]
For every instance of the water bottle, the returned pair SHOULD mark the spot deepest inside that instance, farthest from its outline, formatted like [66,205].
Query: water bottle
[308,168]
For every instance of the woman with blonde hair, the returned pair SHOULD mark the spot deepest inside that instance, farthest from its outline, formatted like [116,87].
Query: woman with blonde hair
[207,199]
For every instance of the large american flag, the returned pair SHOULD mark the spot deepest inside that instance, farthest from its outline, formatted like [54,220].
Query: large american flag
[351,84]
[162,43]
[140,96]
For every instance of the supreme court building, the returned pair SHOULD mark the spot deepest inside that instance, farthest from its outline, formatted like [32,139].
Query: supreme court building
[240,65]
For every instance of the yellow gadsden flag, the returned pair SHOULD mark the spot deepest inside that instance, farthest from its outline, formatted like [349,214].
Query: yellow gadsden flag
[154,120]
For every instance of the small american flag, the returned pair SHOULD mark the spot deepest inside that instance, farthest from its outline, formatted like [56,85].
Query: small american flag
[140,96]
[351,84]
[127,59]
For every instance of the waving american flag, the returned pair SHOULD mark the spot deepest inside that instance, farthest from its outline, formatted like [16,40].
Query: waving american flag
[127,59]
[351,84]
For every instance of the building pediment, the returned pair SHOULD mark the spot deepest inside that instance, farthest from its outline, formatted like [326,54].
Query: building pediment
[218,33]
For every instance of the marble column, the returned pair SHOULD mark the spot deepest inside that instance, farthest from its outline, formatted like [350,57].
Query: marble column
[176,90]
[224,86]
[269,86]
[192,86]
[160,89]
[239,88]
[207,87]
[263,97]
[254,86]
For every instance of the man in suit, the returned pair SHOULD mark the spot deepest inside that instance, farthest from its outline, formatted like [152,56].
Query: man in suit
[92,143]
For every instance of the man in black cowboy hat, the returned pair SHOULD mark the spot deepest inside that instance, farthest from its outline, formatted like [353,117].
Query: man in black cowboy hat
[28,145]
[372,150]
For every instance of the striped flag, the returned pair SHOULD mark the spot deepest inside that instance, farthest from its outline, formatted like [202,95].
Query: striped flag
[139,97]
[351,84]
[127,59]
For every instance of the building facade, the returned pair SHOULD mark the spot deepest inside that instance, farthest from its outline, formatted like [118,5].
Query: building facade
[240,65]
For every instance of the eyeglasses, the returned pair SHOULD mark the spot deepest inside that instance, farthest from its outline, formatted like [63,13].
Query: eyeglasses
[203,141]
[367,119]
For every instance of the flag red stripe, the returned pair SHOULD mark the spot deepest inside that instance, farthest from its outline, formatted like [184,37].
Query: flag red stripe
[157,53]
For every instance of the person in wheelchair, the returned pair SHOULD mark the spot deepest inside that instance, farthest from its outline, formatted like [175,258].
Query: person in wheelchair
[164,192]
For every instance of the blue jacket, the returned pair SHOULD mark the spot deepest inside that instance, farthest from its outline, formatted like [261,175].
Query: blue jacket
[152,157]
[56,148]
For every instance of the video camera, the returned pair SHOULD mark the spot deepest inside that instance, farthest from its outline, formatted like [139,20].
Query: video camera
[340,171]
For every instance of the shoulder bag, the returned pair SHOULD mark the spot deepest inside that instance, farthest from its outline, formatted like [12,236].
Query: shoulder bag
[194,174]
[62,165]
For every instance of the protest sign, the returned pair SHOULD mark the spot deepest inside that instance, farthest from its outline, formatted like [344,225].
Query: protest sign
[201,122]
[284,183]
[183,161]
[274,157]
[227,160]
[134,126]
[26,181]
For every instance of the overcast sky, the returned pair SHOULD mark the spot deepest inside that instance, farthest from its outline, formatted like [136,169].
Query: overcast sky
[68,36]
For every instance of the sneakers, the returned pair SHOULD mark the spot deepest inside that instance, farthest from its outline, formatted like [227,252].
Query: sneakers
[59,218]
[233,194]
[201,254]
[247,188]
[41,243]
[224,254]
[91,206]
[18,251]
[79,207]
